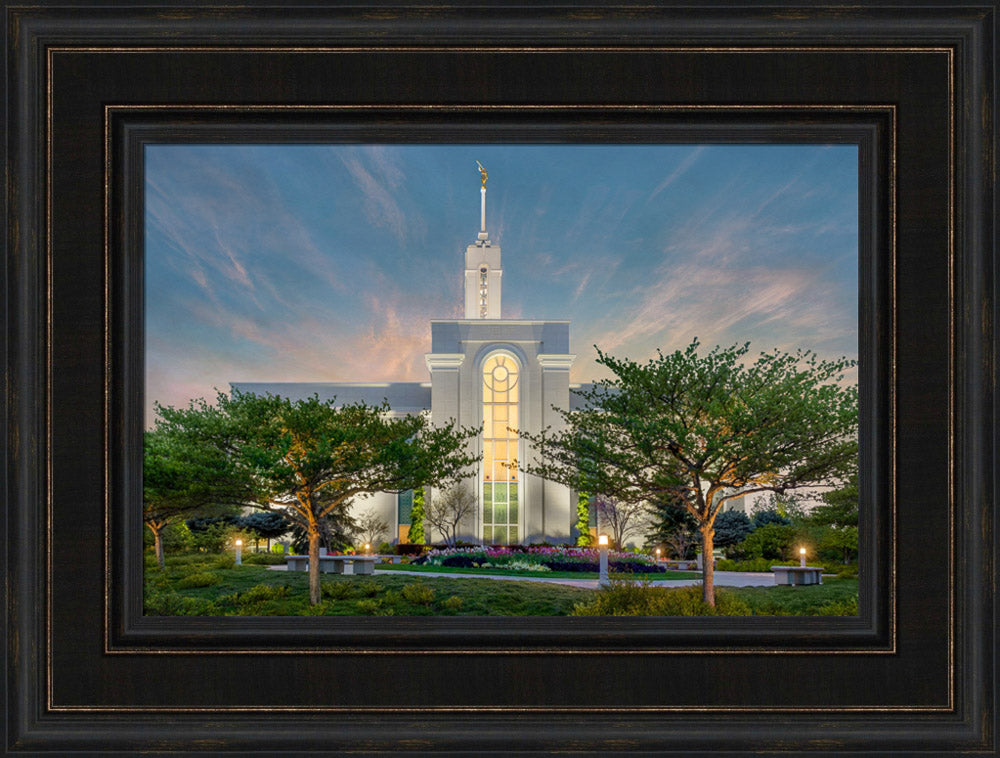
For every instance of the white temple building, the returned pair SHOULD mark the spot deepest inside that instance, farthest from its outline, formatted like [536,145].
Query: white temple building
[500,375]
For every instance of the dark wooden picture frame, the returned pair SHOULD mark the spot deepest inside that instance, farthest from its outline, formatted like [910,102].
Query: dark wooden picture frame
[87,85]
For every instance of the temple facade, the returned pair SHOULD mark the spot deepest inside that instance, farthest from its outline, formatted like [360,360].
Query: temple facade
[502,376]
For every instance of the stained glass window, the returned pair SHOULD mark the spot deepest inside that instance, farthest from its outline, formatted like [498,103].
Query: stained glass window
[500,474]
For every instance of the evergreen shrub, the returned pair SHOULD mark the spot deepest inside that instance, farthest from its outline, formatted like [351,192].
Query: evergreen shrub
[418,593]
[198,579]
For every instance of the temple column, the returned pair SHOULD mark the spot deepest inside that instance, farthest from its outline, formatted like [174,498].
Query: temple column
[557,513]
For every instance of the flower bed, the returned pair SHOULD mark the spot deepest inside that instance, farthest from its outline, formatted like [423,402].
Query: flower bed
[542,558]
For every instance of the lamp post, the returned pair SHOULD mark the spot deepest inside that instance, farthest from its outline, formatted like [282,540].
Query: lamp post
[368,548]
[239,552]
[802,557]
[602,544]
[657,555]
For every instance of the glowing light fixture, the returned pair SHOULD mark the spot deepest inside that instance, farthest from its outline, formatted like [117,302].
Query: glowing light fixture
[602,542]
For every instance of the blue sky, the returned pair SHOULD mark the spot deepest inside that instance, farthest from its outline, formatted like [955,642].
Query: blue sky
[327,262]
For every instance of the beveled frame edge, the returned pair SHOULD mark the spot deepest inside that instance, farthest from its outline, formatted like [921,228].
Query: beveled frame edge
[972,730]
[870,127]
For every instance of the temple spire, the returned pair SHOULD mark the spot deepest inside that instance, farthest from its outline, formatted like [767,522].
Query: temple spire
[482,195]
[482,266]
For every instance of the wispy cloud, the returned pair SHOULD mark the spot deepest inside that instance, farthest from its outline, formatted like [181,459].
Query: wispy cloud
[682,168]
[380,205]
[326,263]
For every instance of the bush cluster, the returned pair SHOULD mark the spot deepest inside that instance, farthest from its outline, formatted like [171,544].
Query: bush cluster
[418,593]
[625,598]
[174,604]
[752,564]
[264,559]
[198,579]
[263,592]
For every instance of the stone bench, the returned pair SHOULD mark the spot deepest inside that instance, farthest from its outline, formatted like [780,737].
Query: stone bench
[335,564]
[796,575]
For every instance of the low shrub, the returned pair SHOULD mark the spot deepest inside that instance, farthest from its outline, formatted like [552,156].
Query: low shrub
[174,604]
[264,559]
[626,598]
[223,561]
[320,609]
[262,592]
[454,603]
[369,607]
[198,579]
[848,607]
[369,588]
[418,593]
[336,590]
[184,560]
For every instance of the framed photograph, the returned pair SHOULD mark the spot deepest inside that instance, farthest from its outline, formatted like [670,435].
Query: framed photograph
[112,110]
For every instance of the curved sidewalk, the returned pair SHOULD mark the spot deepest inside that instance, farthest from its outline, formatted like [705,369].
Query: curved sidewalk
[722,578]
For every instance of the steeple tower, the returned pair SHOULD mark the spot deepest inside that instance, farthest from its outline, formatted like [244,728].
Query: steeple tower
[482,267]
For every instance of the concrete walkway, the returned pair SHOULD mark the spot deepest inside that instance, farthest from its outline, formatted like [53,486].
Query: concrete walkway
[722,578]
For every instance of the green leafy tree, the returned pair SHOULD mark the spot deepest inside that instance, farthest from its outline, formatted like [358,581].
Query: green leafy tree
[841,541]
[788,506]
[415,535]
[840,506]
[772,541]
[582,525]
[704,428]
[307,459]
[181,476]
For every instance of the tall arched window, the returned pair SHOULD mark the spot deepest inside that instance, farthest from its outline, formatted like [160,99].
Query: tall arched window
[500,423]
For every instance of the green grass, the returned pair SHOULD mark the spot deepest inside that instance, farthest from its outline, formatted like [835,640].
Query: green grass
[641,599]
[257,591]
[523,572]
[801,601]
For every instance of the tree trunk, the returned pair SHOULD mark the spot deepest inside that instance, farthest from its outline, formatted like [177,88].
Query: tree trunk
[708,564]
[158,542]
[314,589]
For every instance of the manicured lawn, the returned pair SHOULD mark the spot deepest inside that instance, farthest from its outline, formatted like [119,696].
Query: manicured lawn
[523,572]
[200,585]
[257,591]
[795,601]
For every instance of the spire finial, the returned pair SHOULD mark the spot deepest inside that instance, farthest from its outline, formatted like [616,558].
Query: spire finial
[482,198]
